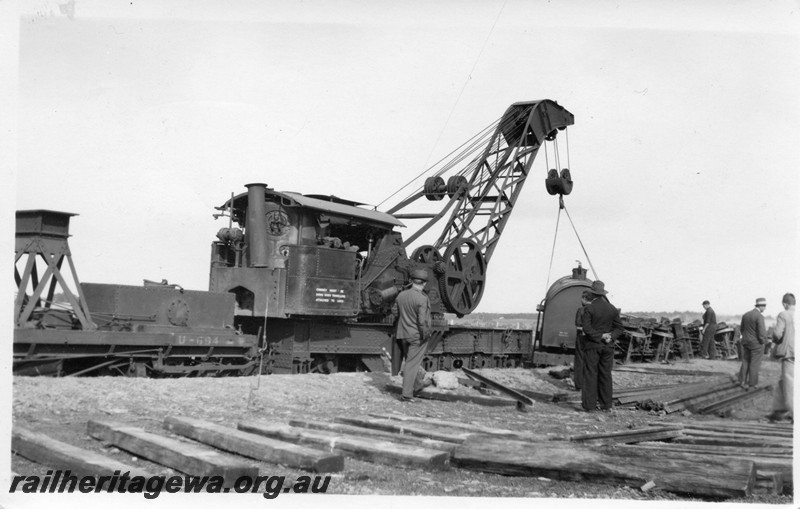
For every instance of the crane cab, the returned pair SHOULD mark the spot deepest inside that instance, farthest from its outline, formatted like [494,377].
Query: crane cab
[298,255]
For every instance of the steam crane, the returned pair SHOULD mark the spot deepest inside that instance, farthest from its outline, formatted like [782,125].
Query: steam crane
[300,282]
[482,196]
[315,275]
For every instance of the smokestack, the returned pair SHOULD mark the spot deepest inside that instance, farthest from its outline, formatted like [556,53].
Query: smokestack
[256,225]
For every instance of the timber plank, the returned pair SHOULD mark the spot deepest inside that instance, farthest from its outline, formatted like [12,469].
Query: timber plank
[184,457]
[442,395]
[651,370]
[732,401]
[670,393]
[684,396]
[476,428]
[628,437]
[721,478]
[771,482]
[255,446]
[367,449]
[779,441]
[349,429]
[58,455]
[699,429]
[693,401]
[774,457]
[408,429]
[745,424]
[695,404]
[762,463]
[737,441]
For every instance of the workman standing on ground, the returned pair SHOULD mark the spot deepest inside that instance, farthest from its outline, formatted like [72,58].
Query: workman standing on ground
[708,348]
[754,335]
[601,328]
[413,311]
[577,364]
[783,338]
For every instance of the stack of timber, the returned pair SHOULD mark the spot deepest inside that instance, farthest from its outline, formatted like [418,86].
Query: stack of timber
[715,459]
[57,455]
[718,397]
[717,478]
[769,446]
[189,458]
[375,450]
[655,370]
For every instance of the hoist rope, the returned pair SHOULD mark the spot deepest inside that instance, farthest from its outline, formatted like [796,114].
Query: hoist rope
[452,110]
[470,145]
[546,159]
[596,276]
[553,250]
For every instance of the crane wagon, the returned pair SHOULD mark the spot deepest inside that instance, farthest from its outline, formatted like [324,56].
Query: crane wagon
[310,279]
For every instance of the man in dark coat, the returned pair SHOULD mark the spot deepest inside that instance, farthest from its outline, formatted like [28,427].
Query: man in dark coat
[577,365]
[601,328]
[708,348]
[754,335]
[413,311]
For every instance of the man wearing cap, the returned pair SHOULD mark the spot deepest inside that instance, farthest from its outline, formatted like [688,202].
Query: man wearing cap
[708,348]
[754,335]
[601,328]
[783,337]
[413,311]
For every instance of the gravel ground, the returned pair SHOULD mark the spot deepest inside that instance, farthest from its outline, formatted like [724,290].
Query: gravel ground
[61,408]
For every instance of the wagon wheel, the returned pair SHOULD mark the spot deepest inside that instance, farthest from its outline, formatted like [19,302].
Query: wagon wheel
[462,283]
[426,255]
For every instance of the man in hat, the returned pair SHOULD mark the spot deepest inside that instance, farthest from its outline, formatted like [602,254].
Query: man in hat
[413,311]
[708,348]
[754,335]
[601,328]
[783,337]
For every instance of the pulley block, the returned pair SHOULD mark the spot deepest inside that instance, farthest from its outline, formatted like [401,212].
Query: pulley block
[558,184]
[455,184]
[426,255]
[434,188]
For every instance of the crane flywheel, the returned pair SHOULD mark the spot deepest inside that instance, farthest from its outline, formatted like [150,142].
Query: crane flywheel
[464,277]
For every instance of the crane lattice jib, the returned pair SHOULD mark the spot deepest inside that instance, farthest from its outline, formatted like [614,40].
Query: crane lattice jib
[495,179]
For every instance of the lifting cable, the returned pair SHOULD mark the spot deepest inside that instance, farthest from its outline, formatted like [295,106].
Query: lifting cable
[458,98]
[552,252]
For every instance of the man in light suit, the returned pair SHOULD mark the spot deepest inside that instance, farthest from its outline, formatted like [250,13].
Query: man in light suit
[783,337]
[754,335]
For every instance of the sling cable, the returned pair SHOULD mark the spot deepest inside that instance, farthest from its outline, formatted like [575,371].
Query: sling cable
[561,184]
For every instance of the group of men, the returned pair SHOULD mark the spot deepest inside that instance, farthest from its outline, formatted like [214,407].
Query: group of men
[754,339]
[755,342]
[599,326]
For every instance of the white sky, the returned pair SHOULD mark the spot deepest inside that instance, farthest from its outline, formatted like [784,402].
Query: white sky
[143,116]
